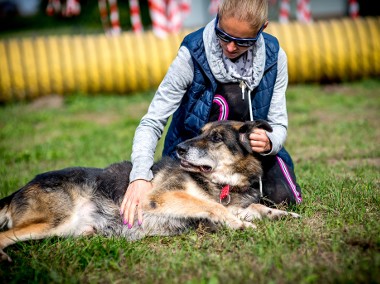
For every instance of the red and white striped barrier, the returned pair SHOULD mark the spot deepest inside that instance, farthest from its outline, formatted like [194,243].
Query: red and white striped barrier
[303,11]
[167,15]
[53,7]
[68,8]
[111,24]
[134,9]
[284,11]
[72,8]
[157,10]
[102,4]
[213,8]
[353,8]
[114,16]
[185,7]
[173,16]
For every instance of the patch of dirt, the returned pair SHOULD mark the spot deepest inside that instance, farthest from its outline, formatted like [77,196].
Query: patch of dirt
[136,110]
[47,102]
[104,119]
[363,244]
[338,88]
[317,220]
[356,162]
[371,116]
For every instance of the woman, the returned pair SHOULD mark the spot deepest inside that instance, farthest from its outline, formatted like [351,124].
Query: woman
[231,70]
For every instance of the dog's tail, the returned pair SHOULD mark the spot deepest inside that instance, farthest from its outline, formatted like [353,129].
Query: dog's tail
[4,206]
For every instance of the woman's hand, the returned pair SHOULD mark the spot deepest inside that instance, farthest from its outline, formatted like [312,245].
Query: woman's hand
[133,197]
[259,141]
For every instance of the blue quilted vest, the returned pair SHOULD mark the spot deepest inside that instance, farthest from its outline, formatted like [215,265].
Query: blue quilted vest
[194,110]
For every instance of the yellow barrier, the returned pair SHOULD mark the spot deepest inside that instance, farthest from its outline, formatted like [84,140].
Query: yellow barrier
[334,50]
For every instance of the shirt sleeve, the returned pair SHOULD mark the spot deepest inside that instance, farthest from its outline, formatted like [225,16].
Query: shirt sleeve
[165,102]
[277,115]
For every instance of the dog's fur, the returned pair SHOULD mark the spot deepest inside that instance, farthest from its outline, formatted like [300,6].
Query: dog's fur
[85,201]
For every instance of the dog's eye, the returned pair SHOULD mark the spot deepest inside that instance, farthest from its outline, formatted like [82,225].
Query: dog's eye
[216,137]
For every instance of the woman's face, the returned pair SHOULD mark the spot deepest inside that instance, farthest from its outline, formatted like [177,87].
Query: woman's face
[235,28]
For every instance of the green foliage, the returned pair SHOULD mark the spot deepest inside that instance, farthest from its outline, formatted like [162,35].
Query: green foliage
[333,137]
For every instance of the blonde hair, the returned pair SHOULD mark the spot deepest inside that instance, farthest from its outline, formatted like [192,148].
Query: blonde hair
[255,12]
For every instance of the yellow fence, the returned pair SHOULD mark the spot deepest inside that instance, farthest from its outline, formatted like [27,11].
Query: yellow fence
[332,50]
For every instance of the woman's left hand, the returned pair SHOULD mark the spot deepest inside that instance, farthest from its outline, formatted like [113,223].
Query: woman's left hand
[259,141]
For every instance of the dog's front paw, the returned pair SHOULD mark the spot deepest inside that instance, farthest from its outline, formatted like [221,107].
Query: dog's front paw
[4,256]
[249,215]
[238,224]
[277,214]
[294,215]
[235,224]
[249,225]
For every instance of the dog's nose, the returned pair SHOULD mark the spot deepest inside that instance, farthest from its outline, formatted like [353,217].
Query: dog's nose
[181,149]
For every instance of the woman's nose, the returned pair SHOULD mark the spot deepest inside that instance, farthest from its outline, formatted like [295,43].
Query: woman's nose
[231,46]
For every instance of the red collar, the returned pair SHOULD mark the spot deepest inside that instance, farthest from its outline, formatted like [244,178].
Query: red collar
[225,193]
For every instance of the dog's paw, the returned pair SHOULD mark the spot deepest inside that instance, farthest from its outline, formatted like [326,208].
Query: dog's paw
[235,224]
[277,214]
[4,256]
[249,225]
[240,224]
[259,211]
[294,215]
[249,215]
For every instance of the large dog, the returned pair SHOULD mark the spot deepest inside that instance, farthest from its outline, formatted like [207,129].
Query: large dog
[211,182]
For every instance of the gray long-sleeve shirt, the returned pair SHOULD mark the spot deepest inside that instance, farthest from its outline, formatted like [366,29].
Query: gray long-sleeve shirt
[179,77]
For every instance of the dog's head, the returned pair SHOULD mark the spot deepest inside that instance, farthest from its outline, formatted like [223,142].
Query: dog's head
[222,151]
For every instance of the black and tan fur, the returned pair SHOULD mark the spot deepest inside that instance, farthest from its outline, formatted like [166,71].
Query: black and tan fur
[85,201]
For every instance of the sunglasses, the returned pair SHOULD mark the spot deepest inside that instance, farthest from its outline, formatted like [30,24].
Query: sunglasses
[242,42]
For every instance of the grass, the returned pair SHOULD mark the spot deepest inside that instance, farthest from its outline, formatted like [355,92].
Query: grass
[333,136]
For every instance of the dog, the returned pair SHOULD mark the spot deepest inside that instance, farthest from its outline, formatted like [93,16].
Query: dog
[212,182]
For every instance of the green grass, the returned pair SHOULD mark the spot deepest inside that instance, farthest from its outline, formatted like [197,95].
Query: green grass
[334,137]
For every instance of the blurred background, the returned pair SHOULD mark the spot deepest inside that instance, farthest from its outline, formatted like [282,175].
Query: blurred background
[38,16]
[67,46]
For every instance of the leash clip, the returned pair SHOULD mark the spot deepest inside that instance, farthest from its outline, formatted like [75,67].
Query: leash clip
[225,193]
[228,200]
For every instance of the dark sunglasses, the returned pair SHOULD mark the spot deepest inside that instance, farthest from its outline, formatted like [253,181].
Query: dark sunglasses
[243,42]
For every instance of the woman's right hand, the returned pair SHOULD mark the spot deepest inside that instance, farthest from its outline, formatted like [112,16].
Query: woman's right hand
[133,197]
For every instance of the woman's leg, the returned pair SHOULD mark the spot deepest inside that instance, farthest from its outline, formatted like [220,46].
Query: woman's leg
[279,182]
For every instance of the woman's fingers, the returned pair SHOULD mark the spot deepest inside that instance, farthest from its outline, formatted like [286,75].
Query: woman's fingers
[133,197]
[259,141]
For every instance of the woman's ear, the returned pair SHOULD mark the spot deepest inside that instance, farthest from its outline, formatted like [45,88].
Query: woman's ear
[266,24]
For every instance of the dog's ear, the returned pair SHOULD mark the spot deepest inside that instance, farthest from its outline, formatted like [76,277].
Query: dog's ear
[244,132]
[247,129]
[263,125]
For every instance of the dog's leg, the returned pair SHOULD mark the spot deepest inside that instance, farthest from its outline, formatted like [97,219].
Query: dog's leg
[179,204]
[258,211]
[29,232]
